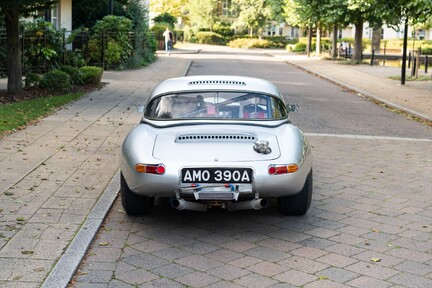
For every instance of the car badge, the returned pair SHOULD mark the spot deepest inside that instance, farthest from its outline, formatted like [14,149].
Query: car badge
[216,159]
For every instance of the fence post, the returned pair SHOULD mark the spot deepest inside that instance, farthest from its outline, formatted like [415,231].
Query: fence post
[372,57]
[409,60]
[426,63]
[103,50]
[414,65]
[64,47]
[385,53]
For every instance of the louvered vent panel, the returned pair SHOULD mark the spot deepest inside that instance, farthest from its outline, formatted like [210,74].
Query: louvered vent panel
[215,82]
[190,138]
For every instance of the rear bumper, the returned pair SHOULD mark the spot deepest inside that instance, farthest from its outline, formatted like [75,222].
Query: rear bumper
[168,184]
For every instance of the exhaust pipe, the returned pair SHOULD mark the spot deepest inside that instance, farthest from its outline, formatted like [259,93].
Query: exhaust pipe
[181,204]
[256,204]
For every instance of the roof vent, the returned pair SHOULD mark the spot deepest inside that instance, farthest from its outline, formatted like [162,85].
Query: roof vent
[216,82]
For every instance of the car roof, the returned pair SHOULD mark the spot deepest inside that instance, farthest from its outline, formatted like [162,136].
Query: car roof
[215,83]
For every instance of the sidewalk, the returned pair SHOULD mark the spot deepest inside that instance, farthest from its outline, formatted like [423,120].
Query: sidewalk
[54,175]
[59,177]
[415,97]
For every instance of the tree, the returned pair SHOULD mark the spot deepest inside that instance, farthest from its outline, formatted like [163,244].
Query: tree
[13,10]
[173,7]
[165,18]
[202,14]
[253,15]
[307,13]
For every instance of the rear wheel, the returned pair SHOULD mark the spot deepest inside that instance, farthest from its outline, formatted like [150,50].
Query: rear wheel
[132,203]
[298,204]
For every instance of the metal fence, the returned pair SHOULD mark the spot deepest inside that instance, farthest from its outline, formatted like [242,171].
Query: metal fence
[47,50]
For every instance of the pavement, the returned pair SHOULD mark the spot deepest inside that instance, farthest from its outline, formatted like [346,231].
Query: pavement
[60,176]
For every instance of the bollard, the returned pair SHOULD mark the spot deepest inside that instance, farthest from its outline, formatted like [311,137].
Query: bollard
[372,57]
[426,63]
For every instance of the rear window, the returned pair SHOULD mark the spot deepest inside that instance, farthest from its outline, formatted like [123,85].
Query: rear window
[224,105]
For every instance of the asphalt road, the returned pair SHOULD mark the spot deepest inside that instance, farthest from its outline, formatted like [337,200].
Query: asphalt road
[367,225]
[324,106]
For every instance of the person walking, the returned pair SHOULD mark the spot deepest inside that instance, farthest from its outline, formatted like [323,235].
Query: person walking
[168,40]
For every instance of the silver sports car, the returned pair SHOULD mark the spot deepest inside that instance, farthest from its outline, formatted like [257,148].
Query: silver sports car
[216,141]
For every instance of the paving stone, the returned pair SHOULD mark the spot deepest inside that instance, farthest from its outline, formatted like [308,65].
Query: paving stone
[197,279]
[338,274]
[255,281]
[295,277]
[368,282]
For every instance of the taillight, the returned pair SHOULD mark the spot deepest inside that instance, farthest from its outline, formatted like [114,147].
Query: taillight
[282,169]
[150,169]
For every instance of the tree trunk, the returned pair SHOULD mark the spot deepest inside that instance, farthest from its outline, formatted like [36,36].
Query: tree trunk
[14,65]
[334,42]
[309,41]
[318,41]
[376,40]
[357,55]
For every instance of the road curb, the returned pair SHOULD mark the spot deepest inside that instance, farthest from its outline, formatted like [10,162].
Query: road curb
[69,262]
[65,268]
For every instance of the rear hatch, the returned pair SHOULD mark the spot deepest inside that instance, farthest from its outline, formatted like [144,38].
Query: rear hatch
[213,145]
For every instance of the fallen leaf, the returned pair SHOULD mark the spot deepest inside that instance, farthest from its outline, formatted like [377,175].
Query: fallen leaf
[27,252]
[375,260]
[323,277]
[103,243]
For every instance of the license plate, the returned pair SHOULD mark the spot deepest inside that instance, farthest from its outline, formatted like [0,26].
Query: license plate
[216,175]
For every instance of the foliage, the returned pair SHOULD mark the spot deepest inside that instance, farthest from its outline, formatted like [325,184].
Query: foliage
[32,80]
[144,44]
[203,37]
[44,44]
[202,14]
[253,15]
[158,30]
[176,8]
[16,115]
[73,73]
[166,18]
[427,50]
[223,29]
[114,30]
[91,74]
[56,80]
[249,43]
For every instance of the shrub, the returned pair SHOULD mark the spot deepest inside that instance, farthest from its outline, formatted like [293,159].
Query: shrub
[56,80]
[299,47]
[223,29]
[73,72]
[427,50]
[250,43]
[115,32]
[91,74]
[32,80]
[209,38]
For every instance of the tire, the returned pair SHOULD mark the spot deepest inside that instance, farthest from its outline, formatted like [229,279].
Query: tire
[298,204]
[132,203]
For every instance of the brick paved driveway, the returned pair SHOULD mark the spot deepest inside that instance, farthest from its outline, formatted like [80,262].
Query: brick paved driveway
[369,225]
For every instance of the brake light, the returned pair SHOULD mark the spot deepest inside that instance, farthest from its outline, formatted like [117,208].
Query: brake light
[282,169]
[150,169]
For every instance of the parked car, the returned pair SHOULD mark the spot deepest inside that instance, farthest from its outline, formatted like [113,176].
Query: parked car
[216,141]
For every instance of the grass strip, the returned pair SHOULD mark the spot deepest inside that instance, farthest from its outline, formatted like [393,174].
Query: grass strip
[17,115]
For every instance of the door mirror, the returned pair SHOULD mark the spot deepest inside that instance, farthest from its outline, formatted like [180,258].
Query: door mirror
[293,107]
[140,109]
